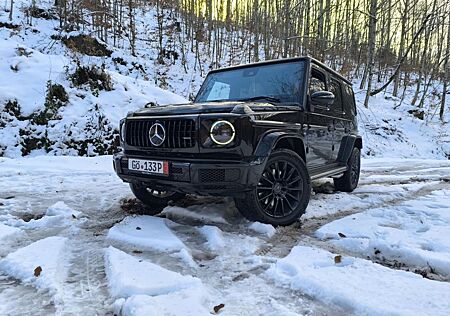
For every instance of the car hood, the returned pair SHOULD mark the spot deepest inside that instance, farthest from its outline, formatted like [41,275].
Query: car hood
[210,107]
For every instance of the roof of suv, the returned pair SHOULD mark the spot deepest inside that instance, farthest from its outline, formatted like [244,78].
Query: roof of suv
[283,60]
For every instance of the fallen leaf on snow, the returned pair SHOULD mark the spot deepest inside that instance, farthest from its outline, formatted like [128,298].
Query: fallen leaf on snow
[338,259]
[37,271]
[218,308]
[342,235]
[138,228]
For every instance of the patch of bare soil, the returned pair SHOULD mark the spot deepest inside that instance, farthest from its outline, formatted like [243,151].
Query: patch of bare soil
[86,45]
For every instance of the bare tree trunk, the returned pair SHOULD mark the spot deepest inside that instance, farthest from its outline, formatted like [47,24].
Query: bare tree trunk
[256,30]
[371,47]
[446,75]
[132,28]
[320,27]
[11,8]
[401,48]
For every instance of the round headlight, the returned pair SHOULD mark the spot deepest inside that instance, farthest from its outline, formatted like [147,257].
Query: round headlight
[222,132]
[122,131]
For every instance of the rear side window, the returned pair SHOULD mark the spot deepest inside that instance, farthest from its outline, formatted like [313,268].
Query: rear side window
[349,100]
[335,88]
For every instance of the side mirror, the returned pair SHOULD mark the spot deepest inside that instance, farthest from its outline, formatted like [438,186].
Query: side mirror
[322,98]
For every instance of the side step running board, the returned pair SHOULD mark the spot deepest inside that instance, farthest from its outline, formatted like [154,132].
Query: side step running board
[321,173]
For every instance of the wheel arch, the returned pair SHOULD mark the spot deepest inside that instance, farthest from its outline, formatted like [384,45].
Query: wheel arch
[278,140]
[347,144]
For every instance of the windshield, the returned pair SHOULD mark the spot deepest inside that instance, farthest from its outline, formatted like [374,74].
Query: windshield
[280,82]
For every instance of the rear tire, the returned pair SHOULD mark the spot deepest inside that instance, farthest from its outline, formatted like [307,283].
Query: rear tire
[282,194]
[154,200]
[349,181]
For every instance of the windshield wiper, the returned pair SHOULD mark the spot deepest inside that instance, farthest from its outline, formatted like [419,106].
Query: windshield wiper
[261,97]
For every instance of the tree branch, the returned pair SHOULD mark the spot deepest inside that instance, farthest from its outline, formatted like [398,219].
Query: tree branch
[422,27]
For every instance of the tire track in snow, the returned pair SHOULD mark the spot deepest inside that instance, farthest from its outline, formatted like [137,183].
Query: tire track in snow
[240,284]
[303,232]
[234,279]
[228,273]
[85,289]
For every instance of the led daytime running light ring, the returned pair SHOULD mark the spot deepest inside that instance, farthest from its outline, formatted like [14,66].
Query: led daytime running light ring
[228,141]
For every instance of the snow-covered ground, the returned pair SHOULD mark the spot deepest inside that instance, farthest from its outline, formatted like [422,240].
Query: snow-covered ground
[360,285]
[72,242]
[68,247]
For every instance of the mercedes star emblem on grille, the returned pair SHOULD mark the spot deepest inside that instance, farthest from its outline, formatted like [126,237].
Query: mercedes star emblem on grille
[157,134]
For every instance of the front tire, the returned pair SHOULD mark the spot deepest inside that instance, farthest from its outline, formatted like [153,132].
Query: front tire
[154,200]
[282,193]
[349,181]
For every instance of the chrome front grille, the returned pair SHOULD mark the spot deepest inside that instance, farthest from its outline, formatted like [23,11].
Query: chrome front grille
[179,133]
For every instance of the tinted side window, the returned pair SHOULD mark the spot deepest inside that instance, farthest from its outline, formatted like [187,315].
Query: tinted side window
[335,88]
[316,82]
[349,100]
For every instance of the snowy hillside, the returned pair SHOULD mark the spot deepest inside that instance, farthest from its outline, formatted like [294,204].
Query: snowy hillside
[57,102]
[78,120]
[390,128]
[58,97]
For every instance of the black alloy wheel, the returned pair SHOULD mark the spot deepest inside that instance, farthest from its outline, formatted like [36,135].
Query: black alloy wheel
[280,189]
[282,193]
[154,200]
[349,181]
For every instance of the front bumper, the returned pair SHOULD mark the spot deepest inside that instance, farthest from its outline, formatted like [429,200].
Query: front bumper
[204,177]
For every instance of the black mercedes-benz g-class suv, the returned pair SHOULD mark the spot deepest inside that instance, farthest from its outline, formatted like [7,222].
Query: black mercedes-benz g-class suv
[258,132]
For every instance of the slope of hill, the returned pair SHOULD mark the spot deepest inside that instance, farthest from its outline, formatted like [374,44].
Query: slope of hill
[65,92]
[59,102]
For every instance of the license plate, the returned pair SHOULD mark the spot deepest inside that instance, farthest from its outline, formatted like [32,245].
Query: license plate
[149,166]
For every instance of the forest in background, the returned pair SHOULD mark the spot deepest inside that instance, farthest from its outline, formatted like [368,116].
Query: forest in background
[87,63]
[385,43]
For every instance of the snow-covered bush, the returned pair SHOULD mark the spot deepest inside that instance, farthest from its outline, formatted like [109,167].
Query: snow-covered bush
[95,77]
[56,97]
